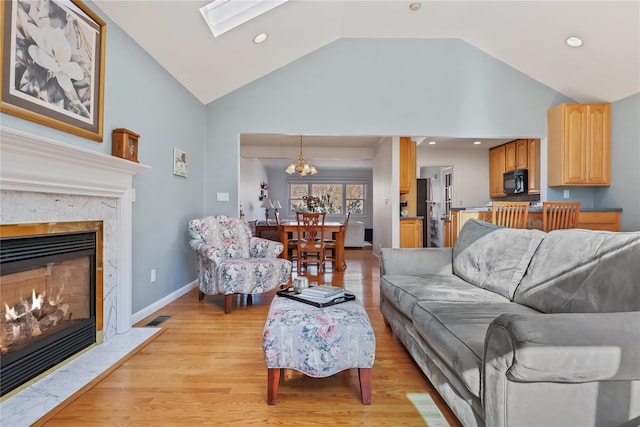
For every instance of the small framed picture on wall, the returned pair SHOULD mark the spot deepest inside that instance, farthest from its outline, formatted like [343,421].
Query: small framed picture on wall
[180,164]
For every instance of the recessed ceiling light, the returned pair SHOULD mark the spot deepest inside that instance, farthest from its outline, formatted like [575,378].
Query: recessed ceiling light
[260,38]
[574,41]
[477,143]
[432,143]
[415,6]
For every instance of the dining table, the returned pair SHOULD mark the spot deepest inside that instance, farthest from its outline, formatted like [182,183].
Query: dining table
[266,229]
[335,228]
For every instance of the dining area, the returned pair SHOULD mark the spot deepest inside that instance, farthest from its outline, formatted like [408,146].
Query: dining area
[310,239]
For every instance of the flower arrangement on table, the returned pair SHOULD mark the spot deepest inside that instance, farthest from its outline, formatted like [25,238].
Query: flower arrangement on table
[315,204]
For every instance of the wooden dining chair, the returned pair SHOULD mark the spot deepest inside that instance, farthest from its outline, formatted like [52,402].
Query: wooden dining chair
[310,247]
[510,214]
[559,215]
[331,245]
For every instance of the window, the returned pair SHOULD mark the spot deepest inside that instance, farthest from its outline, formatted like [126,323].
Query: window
[354,200]
[448,192]
[337,198]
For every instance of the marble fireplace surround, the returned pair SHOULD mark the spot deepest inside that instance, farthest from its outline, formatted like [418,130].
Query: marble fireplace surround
[42,180]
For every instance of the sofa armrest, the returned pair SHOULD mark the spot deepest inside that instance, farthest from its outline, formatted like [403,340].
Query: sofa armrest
[523,352]
[207,251]
[416,261]
[568,347]
[264,248]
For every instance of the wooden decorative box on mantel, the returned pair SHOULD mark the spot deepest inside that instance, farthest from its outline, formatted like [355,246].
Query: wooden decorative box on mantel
[124,144]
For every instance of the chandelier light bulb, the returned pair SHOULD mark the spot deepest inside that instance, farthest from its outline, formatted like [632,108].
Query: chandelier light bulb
[301,166]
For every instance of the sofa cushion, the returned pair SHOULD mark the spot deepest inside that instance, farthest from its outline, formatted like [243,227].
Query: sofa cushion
[583,271]
[456,331]
[404,291]
[493,257]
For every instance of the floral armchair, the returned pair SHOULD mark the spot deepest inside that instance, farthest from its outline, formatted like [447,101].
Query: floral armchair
[232,261]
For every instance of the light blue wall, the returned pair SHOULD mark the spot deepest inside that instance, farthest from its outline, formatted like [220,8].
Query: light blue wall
[625,159]
[375,87]
[143,97]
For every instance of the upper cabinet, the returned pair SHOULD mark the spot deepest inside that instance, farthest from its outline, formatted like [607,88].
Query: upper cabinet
[510,157]
[579,145]
[533,164]
[522,156]
[518,154]
[497,162]
[407,162]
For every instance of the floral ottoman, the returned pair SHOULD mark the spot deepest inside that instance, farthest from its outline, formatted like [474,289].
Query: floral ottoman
[318,342]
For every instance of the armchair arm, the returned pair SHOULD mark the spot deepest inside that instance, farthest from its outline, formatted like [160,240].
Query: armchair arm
[416,261]
[568,347]
[206,251]
[264,248]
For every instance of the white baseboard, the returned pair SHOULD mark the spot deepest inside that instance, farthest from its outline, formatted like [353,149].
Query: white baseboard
[161,303]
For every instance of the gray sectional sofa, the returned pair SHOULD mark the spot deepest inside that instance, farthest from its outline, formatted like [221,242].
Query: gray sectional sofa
[523,328]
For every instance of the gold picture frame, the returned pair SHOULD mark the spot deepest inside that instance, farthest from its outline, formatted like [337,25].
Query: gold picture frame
[53,65]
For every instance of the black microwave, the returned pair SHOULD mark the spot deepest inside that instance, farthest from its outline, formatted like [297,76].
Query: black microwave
[516,182]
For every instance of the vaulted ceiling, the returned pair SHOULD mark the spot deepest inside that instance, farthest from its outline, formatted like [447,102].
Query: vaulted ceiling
[527,35]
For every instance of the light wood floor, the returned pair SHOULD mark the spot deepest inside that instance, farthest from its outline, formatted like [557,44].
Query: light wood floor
[207,368]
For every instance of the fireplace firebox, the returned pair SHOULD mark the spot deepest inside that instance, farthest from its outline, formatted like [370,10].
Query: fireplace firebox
[47,302]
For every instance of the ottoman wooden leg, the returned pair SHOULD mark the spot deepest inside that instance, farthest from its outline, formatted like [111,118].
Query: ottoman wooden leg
[272,385]
[365,385]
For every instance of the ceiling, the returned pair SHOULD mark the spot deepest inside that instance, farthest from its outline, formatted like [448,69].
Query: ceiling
[335,152]
[527,35]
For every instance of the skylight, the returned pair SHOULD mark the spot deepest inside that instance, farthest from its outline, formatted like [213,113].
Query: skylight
[225,15]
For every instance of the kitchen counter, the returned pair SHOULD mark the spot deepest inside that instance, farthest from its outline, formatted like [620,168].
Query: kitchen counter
[535,209]
[411,217]
[589,218]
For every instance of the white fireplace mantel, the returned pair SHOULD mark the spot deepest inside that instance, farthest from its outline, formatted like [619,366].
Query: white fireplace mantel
[31,163]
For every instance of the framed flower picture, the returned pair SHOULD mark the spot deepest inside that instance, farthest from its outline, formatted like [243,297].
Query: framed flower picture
[53,65]
[180,164]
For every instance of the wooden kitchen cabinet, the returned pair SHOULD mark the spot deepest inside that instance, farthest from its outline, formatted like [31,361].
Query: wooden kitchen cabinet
[510,157]
[521,153]
[497,164]
[411,233]
[604,220]
[579,145]
[533,165]
[459,217]
[405,164]
[448,233]
[515,155]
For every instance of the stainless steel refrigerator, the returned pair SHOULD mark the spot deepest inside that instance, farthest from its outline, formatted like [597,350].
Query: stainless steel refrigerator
[424,204]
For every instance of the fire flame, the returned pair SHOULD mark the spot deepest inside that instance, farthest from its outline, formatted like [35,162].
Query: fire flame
[37,300]
[10,313]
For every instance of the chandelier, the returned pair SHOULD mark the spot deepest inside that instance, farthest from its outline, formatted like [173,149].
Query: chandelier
[301,166]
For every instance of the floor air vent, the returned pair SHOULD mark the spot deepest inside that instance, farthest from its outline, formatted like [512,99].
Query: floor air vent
[158,320]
